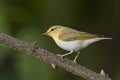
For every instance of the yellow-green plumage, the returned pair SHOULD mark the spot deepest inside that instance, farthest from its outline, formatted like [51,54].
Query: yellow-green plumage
[70,39]
[66,35]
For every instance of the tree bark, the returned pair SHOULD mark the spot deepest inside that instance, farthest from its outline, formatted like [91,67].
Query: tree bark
[67,64]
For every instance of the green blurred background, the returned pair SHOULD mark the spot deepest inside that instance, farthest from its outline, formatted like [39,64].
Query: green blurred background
[28,19]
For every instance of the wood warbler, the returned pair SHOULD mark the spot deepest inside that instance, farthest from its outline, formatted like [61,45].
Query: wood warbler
[71,39]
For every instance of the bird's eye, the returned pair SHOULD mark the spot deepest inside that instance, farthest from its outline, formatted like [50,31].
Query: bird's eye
[52,29]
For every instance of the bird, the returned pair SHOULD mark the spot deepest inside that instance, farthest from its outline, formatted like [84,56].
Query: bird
[72,40]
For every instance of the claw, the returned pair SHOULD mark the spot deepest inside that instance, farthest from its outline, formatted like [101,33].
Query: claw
[62,57]
[75,61]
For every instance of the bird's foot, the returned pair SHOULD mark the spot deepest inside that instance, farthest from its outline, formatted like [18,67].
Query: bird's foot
[75,61]
[62,56]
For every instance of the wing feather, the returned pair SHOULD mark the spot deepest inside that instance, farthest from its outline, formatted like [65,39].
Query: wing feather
[75,35]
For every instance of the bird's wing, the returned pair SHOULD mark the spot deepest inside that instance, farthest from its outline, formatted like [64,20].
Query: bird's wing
[67,36]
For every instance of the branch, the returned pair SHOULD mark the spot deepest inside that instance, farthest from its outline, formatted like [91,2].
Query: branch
[67,64]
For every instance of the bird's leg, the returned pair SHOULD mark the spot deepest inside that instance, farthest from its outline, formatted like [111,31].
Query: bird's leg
[74,60]
[62,56]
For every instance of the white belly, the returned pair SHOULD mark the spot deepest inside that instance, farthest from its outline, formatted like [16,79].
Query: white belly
[75,45]
[70,45]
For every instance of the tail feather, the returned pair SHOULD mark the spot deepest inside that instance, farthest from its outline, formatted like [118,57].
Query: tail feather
[101,38]
[90,41]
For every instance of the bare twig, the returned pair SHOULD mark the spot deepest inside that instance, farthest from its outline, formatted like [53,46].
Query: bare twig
[67,65]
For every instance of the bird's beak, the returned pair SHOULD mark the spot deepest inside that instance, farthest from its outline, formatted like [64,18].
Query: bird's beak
[44,33]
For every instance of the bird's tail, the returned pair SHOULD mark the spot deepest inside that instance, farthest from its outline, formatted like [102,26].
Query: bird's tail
[102,38]
[99,39]
[90,41]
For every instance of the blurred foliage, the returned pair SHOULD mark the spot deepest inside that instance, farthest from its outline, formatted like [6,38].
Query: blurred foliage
[28,19]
